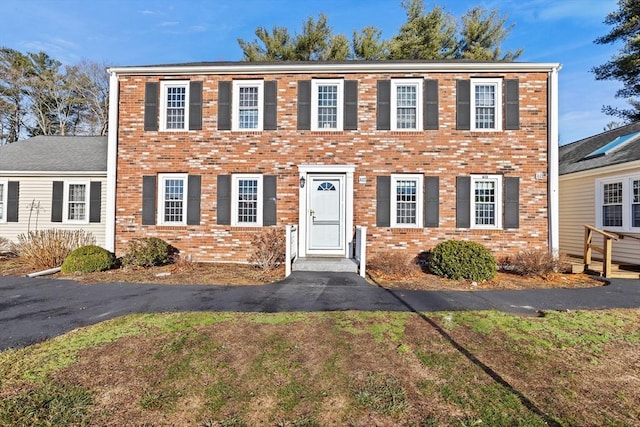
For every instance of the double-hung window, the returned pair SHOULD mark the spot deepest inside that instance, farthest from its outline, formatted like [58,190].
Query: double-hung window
[406,104]
[248,101]
[327,105]
[618,203]
[612,204]
[174,112]
[406,200]
[172,199]
[3,201]
[486,104]
[486,201]
[76,202]
[246,204]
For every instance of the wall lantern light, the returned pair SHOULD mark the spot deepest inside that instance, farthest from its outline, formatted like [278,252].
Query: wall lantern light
[302,181]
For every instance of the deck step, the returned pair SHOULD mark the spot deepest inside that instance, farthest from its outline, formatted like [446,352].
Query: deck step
[343,265]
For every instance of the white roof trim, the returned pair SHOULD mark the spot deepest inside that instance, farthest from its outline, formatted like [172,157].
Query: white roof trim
[328,67]
[53,173]
[603,170]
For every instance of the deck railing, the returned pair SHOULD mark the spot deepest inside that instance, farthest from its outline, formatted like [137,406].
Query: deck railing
[605,250]
[291,247]
[361,250]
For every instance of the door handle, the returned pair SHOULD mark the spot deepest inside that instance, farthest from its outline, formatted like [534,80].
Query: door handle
[312,212]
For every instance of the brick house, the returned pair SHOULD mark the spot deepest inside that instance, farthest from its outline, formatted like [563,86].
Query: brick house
[205,155]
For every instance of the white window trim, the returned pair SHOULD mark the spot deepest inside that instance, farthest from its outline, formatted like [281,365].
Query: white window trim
[499,201]
[235,178]
[394,103]
[627,197]
[499,104]
[162,177]
[87,202]
[235,118]
[314,103]
[5,199]
[163,104]
[419,199]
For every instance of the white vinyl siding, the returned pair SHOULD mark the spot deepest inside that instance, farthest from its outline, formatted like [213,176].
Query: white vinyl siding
[3,201]
[35,200]
[327,105]
[174,105]
[577,208]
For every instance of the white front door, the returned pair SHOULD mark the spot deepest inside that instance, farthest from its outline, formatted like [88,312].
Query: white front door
[326,215]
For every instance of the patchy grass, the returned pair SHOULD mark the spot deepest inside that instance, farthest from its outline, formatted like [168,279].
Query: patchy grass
[344,368]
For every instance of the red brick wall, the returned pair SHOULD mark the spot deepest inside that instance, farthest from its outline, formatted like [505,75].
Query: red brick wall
[446,153]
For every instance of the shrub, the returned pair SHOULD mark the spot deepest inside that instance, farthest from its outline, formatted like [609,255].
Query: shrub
[268,249]
[457,259]
[88,259]
[48,248]
[147,252]
[393,264]
[535,262]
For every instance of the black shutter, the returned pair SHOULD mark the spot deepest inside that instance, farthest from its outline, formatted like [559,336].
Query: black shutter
[148,200]
[224,199]
[463,104]
[383,201]
[432,201]
[269,200]
[13,197]
[463,202]
[383,106]
[195,106]
[193,199]
[304,105]
[151,106]
[270,120]
[224,105]
[95,201]
[430,104]
[350,105]
[511,202]
[57,198]
[512,105]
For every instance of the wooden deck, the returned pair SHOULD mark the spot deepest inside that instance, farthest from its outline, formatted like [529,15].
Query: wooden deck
[618,271]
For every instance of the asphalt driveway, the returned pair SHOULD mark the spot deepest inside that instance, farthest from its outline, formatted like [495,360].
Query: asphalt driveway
[35,309]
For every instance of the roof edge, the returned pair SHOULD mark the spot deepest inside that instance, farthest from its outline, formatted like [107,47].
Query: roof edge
[336,67]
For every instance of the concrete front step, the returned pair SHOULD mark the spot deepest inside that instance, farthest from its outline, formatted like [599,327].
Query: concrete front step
[343,265]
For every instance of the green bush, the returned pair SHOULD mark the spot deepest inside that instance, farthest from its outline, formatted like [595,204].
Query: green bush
[458,259]
[147,252]
[88,259]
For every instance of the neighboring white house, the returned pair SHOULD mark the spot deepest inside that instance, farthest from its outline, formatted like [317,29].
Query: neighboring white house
[53,182]
[600,186]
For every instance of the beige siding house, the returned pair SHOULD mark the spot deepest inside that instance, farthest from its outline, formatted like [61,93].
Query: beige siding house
[53,182]
[600,186]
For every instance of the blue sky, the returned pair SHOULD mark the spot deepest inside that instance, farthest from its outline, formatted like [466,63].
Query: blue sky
[141,32]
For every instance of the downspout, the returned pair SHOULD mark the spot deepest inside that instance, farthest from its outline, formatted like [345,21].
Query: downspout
[112,152]
[553,158]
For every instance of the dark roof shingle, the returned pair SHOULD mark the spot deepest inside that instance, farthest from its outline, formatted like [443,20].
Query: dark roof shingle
[572,156]
[55,154]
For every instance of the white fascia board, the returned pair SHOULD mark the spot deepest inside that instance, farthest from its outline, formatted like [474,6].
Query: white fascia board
[342,67]
[100,174]
[604,170]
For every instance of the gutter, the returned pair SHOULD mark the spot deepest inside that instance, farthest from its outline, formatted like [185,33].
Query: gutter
[112,152]
[552,160]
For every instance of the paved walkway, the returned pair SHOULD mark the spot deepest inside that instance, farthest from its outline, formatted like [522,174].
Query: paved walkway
[35,309]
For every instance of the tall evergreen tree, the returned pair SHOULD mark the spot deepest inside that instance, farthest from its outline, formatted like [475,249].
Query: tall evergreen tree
[482,34]
[624,66]
[14,72]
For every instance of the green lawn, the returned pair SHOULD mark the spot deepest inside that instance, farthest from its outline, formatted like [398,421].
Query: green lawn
[339,368]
